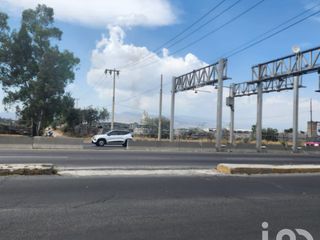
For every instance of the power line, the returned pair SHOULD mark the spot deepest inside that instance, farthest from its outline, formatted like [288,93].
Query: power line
[272,35]
[254,43]
[211,32]
[217,29]
[272,29]
[206,23]
[191,33]
[139,95]
[180,33]
[193,24]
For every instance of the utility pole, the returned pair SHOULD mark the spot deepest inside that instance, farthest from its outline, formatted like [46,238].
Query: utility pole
[259,111]
[173,91]
[296,80]
[259,117]
[114,72]
[160,109]
[310,117]
[230,103]
[219,105]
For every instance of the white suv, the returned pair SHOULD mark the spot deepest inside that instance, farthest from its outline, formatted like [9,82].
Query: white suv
[113,137]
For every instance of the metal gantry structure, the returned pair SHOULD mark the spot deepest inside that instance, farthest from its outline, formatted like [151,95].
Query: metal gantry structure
[275,76]
[213,74]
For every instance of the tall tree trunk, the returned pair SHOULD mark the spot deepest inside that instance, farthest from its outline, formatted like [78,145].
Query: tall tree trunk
[39,126]
[33,128]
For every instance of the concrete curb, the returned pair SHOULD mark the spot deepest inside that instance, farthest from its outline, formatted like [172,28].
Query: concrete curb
[27,169]
[266,169]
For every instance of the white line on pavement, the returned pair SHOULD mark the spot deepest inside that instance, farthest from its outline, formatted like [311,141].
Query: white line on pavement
[33,157]
[162,172]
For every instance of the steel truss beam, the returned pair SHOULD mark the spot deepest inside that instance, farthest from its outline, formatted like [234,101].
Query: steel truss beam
[200,77]
[275,76]
[304,62]
[214,73]
[275,85]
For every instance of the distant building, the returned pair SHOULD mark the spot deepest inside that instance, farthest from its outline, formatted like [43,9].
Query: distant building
[181,132]
[287,136]
[142,129]
[242,133]
[209,130]
[313,129]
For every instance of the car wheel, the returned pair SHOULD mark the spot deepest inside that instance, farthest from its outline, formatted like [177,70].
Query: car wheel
[101,142]
[125,143]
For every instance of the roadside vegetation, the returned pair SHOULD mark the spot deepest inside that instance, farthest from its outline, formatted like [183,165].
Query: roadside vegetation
[34,74]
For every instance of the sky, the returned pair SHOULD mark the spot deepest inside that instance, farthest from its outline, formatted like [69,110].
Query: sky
[132,36]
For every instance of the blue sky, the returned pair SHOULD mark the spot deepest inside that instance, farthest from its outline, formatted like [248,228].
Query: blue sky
[105,34]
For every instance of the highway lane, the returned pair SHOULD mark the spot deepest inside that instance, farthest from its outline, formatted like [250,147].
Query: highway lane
[202,207]
[121,158]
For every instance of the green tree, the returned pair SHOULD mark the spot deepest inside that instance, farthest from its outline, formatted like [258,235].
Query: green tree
[153,123]
[4,43]
[270,134]
[75,116]
[253,131]
[35,72]
[94,115]
[289,130]
[103,114]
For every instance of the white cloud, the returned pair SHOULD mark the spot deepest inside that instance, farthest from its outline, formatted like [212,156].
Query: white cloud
[112,52]
[197,109]
[277,111]
[104,12]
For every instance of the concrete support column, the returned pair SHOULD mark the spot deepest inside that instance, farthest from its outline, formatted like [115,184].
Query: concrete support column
[113,99]
[295,114]
[259,117]
[219,105]
[173,89]
[160,110]
[232,107]
[295,127]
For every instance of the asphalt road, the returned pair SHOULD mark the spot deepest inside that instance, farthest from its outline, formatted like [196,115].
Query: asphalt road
[201,207]
[121,158]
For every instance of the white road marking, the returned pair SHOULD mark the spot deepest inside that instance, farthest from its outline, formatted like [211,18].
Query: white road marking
[33,157]
[161,172]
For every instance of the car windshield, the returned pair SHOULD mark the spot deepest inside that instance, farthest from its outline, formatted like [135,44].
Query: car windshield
[116,132]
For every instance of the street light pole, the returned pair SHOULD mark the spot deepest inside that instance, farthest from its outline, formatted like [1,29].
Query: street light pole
[173,91]
[160,110]
[114,72]
[219,105]
[230,103]
[295,132]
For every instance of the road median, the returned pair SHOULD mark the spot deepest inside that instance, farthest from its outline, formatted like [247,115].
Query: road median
[266,169]
[27,169]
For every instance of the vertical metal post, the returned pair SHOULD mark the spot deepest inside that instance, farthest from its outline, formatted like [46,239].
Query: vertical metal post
[295,114]
[296,107]
[310,118]
[173,90]
[113,98]
[259,117]
[219,105]
[160,110]
[232,106]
